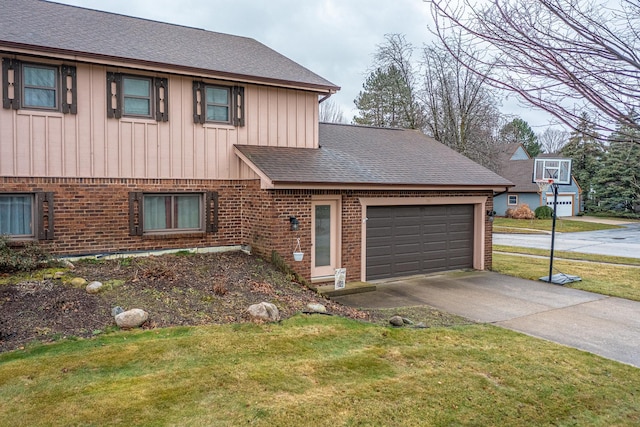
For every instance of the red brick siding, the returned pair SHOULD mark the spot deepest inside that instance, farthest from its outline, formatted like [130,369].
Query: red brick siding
[92,216]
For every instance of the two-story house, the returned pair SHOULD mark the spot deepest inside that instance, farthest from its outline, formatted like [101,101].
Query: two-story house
[120,134]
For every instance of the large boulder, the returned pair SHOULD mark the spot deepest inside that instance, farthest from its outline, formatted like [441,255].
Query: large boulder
[315,307]
[264,311]
[131,318]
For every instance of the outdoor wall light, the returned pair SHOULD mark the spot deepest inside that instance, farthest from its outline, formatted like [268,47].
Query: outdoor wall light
[295,224]
[491,215]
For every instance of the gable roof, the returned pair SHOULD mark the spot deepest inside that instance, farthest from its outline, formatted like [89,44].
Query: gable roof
[63,29]
[356,156]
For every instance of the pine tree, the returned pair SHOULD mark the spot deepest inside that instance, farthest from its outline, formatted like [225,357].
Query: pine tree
[617,183]
[517,130]
[586,153]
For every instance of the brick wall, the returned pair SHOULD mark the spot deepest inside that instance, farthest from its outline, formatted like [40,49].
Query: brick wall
[91,215]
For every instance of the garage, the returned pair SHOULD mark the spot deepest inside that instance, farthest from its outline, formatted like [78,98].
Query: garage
[565,204]
[408,240]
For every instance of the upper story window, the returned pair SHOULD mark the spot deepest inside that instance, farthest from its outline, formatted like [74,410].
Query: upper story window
[38,86]
[218,104]
[137,96]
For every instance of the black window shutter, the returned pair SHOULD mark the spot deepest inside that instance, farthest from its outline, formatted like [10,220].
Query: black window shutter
[199,105]
[44,203]
[238,106]
[162,99]
[136,225]
[13,102]
[114,79]
[69,73]
[211,219]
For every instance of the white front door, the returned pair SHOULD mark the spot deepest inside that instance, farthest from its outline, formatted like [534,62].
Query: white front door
[325,228]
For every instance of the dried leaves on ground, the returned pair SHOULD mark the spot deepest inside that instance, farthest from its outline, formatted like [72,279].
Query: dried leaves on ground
[176,290]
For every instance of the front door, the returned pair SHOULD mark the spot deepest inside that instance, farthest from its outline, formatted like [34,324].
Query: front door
[325,238]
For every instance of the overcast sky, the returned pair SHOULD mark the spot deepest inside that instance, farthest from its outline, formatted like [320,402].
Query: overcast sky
[333,38]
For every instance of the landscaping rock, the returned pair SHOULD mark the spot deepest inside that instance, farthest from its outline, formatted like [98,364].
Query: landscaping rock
[78,282]
[264,311]
[407,321]
[58,275]
[131,318]
[94,287]
[316,307]
[420,325]
[47,276]
[68,264]
[396,321]
[116,310]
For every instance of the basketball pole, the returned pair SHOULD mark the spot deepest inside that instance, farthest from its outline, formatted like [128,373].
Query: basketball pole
[553,230]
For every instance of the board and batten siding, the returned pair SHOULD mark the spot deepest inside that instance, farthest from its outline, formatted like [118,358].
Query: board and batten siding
[88,144]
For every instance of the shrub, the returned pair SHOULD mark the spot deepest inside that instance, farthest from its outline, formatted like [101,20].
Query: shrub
[28,257]
[521,212]
[544,212]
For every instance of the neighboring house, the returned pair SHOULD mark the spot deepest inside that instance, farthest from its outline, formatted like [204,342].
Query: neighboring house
[120,134]
[516,166]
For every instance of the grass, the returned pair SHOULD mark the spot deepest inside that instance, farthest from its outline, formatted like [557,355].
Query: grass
[307,369]
[510,225]
[568,255]
[607,279]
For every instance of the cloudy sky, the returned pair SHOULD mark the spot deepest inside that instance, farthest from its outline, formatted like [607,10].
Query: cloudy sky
[333,38]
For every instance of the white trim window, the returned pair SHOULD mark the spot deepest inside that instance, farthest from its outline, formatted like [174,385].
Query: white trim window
[512,199]
[172,212]
[17,215]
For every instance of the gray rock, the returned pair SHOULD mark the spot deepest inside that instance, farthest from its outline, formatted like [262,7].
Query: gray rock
[68,264]
[264,311]
[396,321]
[94,287]
[316,307]
[131,318]
[407,321]
[420,325]
[116,310]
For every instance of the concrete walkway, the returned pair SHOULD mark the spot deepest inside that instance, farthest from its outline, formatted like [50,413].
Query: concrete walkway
[607,326]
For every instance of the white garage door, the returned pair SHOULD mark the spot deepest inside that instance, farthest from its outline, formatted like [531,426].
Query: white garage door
[565,204]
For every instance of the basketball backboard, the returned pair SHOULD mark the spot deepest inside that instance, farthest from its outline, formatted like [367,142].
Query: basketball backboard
[558,170]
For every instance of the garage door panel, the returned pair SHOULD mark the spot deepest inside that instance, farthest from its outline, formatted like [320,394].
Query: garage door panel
[408,240]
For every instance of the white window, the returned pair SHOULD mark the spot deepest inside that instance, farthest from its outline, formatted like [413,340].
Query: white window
[172,212]
[137,96]
[16,215]
[513,199]
[40,86]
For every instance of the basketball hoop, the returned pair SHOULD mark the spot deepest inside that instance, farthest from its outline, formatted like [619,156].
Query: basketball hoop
[543,184]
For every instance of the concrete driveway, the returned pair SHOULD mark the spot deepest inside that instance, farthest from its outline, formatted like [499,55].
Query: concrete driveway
[618,242]
[607,326]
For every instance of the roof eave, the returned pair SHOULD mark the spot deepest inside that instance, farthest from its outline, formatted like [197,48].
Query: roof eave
[298,185]
[180,69]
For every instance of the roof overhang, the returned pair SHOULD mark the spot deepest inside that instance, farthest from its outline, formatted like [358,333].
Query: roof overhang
[13,48]
[266,183]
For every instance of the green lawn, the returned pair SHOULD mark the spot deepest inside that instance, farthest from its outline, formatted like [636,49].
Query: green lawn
[510,225]
[603,278]
[315,371]
[568,255]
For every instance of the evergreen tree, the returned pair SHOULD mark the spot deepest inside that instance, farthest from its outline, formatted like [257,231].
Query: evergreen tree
[586,153]
[517,130]
[617,183]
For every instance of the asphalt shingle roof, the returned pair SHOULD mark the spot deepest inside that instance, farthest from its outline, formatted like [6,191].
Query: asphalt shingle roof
[70,29]
[365,155]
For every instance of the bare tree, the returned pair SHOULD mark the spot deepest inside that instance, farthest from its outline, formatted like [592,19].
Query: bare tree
[552,140]
[460,110]
[330,112]
[567,57]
